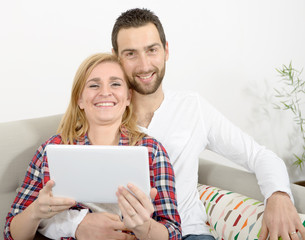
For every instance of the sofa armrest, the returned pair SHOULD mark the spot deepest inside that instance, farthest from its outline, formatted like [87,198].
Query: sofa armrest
[230,178]
[241,181]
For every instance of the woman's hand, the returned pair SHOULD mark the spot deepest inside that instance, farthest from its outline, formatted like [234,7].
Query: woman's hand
[136,209]
[46,206]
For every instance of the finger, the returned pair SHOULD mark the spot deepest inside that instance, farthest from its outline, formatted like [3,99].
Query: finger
[264,232]
[59,201]
[112,216]
[118,225]
[130,222]
[130,237]
[293,235]
[127,201]
[133,205]
[274,236]
[153,193]
[141,197]
[57,209]
[302,232]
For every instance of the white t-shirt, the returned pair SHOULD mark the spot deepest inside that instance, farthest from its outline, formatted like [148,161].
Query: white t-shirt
[186,125]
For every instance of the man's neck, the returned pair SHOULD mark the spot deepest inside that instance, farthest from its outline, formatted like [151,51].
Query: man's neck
[146,105]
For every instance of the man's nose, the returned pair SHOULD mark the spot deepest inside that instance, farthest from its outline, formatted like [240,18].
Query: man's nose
[144,62]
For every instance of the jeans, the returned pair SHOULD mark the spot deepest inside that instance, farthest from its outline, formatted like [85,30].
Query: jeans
[198,237]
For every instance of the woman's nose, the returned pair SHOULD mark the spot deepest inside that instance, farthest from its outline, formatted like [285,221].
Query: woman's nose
[105,91]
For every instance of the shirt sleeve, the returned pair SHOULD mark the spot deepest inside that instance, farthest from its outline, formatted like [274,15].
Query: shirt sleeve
[231,142]
[62,224]
[28,192]
[36,176]
[165,202]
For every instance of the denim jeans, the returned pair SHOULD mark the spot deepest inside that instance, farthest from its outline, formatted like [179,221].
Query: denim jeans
[198,237]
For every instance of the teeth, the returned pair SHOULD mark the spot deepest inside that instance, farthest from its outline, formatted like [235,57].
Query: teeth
[145,77]
[108,104]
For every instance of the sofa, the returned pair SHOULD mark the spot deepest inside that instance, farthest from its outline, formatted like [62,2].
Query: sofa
[223,190]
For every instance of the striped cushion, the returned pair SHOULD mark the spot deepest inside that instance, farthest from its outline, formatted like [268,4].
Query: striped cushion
[232,215]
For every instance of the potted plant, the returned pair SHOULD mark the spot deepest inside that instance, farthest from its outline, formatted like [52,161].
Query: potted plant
[291,97]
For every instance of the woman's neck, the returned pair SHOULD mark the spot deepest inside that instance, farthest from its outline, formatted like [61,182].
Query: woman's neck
[104,135]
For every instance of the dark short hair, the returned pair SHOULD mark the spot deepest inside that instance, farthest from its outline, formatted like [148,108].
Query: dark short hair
[136,18]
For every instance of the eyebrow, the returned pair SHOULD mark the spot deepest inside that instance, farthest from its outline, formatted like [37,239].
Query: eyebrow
[145,48]
[97,79]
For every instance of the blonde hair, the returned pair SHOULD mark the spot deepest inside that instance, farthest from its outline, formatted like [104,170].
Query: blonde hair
[74,124]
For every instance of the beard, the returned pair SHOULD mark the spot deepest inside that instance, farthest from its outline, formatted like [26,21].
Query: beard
[143,89]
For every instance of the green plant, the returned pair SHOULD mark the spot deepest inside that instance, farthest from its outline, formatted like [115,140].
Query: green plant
[290,98]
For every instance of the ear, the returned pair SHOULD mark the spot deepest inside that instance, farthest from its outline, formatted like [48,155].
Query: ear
[166,51]
[80,103]
[129,97]
[113,52]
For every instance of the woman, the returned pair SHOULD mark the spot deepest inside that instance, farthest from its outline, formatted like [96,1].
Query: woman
[99,113]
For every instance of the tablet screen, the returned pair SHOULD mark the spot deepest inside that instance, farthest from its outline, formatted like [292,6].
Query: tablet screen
[92,173]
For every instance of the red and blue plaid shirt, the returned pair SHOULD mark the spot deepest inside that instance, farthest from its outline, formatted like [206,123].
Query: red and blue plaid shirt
[161,177]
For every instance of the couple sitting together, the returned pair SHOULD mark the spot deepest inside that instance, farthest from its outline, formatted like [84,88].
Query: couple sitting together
[117,99]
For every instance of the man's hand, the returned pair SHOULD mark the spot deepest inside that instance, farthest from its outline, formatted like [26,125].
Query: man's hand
[102,226]
[281,219]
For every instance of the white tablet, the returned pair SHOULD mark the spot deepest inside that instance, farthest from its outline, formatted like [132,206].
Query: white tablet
[92,173]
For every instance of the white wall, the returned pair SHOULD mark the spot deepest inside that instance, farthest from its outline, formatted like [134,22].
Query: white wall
[225,49]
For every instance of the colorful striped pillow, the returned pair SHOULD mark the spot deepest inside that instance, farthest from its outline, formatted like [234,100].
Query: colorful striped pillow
[232,215]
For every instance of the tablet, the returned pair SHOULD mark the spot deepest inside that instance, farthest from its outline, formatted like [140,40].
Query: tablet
[92,173]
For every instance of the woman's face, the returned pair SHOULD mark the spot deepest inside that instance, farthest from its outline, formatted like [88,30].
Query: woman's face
[105,95]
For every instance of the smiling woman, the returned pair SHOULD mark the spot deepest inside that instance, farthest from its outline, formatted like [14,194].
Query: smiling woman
[99,113]
[105,99]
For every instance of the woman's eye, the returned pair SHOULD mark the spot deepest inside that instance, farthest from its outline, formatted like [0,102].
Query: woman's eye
[93,86]
[116,84]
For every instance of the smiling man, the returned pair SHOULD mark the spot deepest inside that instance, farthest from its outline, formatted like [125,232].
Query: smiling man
[186,124]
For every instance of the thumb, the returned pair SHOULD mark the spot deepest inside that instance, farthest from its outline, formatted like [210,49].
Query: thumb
[48,187]
[153,193]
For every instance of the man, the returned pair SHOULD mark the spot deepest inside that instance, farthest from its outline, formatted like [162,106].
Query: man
[186,125]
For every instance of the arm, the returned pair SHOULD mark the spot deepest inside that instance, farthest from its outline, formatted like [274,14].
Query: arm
[231,142]
[165,202]
[280,216]
[26,207]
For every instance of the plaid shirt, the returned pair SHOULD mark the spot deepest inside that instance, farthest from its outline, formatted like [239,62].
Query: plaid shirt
[161,177]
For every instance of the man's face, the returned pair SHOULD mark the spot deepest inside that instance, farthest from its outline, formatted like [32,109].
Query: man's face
[143,57]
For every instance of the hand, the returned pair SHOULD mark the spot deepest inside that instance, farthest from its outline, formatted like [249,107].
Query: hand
[46,206]
[101,226]
[281,219]
[136,209]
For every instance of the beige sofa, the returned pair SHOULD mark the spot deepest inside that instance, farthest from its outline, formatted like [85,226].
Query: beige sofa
[20,139]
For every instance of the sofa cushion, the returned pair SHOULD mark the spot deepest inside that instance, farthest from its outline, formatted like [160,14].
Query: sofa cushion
[232,215]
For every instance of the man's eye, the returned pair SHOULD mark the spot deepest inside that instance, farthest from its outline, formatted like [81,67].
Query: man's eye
[153,50]
[129,55]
